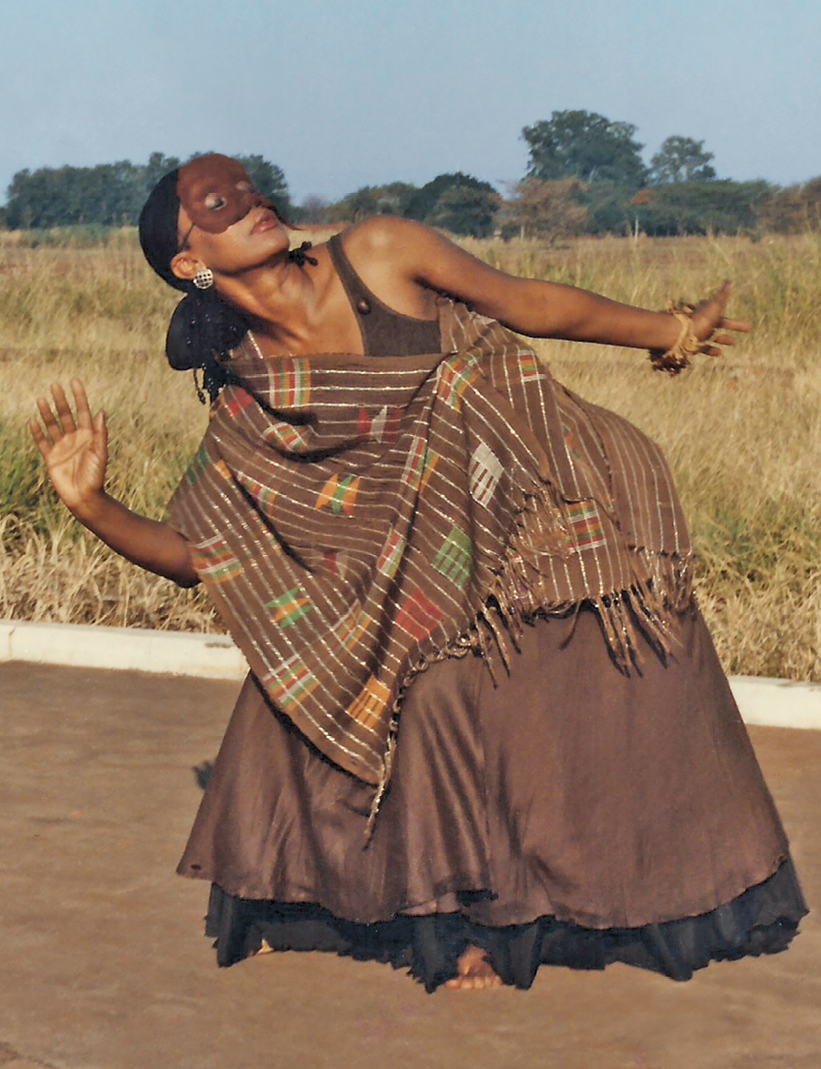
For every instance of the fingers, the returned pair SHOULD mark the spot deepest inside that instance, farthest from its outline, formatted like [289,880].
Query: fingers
[713,327]
[720,298]
[40,439]
[57,416]
[65,416]
[739,325]
[98,425]
[723,295]
[81,402]
[54,430]
[711,346]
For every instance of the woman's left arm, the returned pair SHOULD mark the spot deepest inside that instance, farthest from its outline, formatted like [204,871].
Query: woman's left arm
[548,309]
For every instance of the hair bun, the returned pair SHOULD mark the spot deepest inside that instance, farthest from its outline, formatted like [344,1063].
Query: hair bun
[181,354]
[202,328]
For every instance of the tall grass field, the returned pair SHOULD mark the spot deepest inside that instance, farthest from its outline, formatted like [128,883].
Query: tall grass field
[743,433]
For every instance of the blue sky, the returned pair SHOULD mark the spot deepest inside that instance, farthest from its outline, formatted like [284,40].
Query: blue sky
[360,92]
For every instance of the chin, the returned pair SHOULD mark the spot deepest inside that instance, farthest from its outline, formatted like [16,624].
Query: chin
[270,243]
[278,237]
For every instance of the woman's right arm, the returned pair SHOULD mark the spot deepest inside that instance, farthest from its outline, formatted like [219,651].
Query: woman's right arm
[76,454]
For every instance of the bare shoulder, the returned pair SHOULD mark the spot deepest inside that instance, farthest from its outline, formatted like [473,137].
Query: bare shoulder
[387,237]
[394,253]
[413,249]
[386,253]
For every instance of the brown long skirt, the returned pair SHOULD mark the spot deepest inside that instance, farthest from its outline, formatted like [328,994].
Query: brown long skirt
[567,813]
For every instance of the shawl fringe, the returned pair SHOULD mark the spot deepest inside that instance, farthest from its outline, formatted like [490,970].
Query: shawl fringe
[516,601]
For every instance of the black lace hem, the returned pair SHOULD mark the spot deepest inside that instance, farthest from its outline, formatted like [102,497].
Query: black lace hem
[762,920]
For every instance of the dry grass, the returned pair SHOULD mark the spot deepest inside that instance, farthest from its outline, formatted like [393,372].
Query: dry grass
[97,313]
[743,435]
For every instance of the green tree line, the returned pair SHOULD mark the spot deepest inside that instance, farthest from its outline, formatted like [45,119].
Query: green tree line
[110,194]
[585,174]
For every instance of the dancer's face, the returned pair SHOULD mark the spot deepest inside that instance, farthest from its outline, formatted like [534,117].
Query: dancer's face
[224,223]
[216,192]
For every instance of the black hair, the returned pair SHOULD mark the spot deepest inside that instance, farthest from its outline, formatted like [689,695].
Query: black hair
[202,331]
[203,328]
[158,230]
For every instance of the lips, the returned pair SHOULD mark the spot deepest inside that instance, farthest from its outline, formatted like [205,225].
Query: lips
[266,221]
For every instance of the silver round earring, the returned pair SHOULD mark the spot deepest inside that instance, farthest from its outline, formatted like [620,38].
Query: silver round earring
[204,278]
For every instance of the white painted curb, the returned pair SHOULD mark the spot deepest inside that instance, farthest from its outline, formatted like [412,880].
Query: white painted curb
[772,702]
[173,652]
[778,702]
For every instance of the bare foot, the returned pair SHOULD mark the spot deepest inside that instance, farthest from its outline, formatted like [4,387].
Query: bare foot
[475,971]
[264,948]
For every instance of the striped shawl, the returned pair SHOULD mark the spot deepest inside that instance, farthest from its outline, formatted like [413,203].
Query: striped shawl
[355,519]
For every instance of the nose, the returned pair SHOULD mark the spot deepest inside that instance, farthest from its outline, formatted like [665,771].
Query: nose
[252,198]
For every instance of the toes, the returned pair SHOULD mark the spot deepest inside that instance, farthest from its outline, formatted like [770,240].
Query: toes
[474,972]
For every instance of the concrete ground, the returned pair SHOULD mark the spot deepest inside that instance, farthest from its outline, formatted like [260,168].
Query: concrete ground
[104,966]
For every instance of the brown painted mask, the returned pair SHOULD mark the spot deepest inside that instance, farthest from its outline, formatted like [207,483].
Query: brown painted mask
[217,192]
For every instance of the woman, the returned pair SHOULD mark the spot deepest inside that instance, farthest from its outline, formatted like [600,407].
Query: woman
[428,525]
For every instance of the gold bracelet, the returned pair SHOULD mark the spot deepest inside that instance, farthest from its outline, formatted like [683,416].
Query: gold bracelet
[687,344]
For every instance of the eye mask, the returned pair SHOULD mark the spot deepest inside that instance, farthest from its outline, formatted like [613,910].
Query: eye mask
[216,192]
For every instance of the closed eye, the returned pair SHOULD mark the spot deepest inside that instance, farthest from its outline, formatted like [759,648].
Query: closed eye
[215,201]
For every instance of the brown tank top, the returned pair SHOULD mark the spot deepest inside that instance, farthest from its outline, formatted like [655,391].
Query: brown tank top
[384,331]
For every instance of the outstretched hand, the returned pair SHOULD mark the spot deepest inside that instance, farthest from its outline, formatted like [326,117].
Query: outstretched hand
[75,450]
[708,317]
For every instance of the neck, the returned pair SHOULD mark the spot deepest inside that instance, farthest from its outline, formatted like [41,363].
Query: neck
[279,298]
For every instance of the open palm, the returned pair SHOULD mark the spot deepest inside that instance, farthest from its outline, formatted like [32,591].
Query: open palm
[75,450]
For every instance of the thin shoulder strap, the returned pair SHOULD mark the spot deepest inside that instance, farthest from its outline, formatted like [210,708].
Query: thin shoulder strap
[384,330]
[358,293]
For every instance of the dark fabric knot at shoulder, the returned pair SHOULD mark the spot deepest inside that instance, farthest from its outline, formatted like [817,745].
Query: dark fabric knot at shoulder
[300,256]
